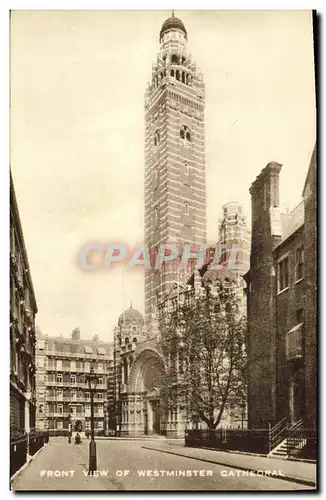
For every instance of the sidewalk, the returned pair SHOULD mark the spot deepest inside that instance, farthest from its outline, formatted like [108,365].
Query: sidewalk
[298,472]
[57,457]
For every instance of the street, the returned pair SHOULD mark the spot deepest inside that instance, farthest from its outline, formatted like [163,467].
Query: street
[125,465]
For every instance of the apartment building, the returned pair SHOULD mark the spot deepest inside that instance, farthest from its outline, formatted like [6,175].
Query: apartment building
[63,394]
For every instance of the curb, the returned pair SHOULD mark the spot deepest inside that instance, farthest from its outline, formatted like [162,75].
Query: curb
[293,479]
[291,459]
[28,461]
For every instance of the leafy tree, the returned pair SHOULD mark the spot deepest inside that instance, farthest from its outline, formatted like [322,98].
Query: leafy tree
[203,342]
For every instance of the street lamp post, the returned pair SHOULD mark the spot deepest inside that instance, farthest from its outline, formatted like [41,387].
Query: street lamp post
[92,380]
[69,428]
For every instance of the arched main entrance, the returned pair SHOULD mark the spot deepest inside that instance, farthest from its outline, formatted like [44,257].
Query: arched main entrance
[143,413]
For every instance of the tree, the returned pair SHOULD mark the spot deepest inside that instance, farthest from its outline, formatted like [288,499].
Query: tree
[203,341]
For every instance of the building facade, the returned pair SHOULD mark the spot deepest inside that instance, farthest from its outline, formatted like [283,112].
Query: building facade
[23,309]
[175,192]
[63,394]
[233,230]
[282,303]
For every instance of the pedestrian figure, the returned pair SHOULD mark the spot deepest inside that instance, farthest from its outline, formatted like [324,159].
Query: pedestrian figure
[77,439]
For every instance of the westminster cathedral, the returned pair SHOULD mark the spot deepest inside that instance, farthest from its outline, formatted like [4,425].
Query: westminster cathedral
[175,212]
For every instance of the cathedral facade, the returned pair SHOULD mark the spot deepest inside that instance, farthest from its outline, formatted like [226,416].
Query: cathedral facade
[175,212]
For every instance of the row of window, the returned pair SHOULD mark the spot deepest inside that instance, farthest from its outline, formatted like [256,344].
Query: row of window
[185,134]
[185,171]
[66,365]
[73,395]
[97,425]
[74,413]
[184,101]
[69,348]
[181,76]
[186,211]
[73,379]
[284,268]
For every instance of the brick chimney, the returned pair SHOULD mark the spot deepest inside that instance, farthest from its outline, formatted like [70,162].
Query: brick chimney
[75,334]
[266,231]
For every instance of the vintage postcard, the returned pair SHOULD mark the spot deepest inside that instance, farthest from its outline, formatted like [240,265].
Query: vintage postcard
[163,250]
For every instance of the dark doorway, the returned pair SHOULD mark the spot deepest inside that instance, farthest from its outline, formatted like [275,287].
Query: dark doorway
[78,426]
[156,417]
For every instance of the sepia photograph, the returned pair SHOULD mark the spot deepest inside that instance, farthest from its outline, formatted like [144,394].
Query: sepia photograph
[163,250]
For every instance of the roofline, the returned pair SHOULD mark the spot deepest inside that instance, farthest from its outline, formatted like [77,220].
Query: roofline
[15,212]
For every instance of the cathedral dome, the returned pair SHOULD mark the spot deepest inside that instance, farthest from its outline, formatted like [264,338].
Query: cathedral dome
[131,317]
[172,23]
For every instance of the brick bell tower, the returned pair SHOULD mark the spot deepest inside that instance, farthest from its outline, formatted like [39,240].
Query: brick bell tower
[175,191]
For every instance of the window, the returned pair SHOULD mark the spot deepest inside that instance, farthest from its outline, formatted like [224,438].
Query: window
[73,366]
[87,396]
[87,367]
[87,410]
[100,396]
[59,394]
[60,409]
[73,379]
[73,395]
[100,425]
[299,315]
[100,368]
[186,208]
[100,381]
[59,364]
[100,410]
[156,138]
[59,378]
[155,178]
[283,274]
[299,263]
[186,168]
[185,133]
[40,361]
[59,424]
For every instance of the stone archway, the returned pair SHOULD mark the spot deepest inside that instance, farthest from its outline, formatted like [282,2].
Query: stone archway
[144,403]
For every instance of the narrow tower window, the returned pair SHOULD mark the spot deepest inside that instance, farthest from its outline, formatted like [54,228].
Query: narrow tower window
[185,133]
[156,138]
[186,208]
[186,168]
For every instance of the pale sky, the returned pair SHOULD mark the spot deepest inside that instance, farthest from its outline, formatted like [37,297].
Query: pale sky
[77,136]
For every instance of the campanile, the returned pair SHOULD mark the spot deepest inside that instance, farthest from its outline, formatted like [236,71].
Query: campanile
[175,191]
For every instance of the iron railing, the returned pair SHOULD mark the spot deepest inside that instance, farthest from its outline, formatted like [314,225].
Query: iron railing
[249,440]
[36,441]
[18,453]
[277,433]
[301,442]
